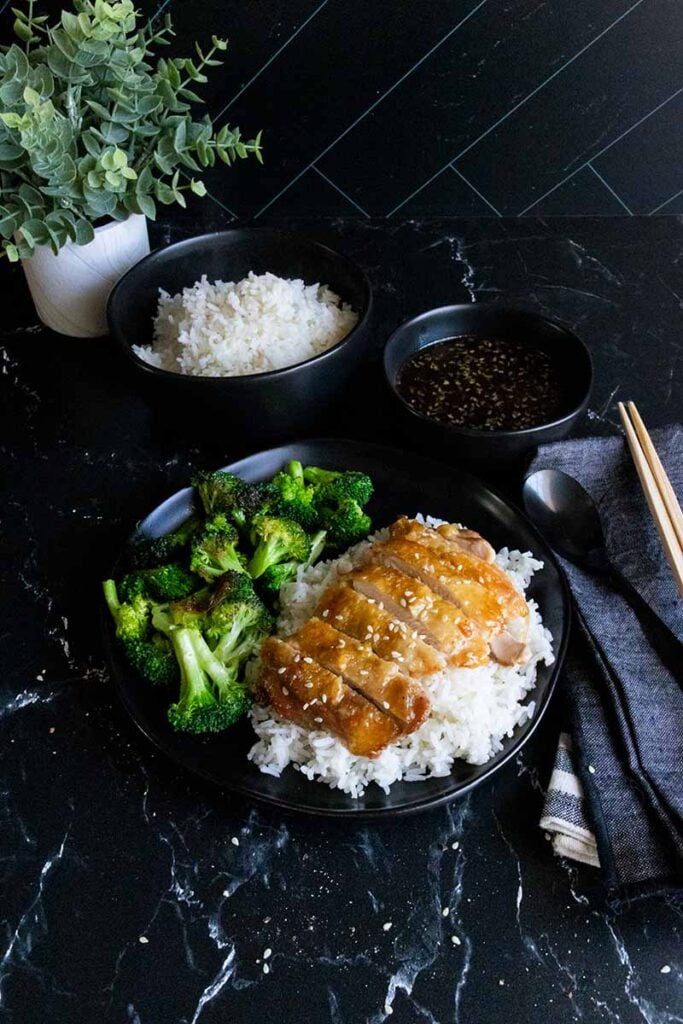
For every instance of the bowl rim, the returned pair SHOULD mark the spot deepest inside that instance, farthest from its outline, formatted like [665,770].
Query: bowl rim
[475,432]
[183,243]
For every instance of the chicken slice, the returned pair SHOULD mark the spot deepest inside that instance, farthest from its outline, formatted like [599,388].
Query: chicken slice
[466,566]
[439,623]
[468,540]
[306,693]
[351,613]
[379,681]
[480,603]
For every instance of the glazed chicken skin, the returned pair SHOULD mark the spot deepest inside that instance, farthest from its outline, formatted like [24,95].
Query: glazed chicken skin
[304,692]
[466,540]
[480,589]
[363,619]
[379,681]
[422,600]
[438,622]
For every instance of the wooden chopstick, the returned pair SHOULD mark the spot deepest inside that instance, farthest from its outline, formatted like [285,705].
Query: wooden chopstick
[659,473]
[649,474]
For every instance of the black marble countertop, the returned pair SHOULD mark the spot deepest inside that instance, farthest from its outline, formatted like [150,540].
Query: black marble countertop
[130,892]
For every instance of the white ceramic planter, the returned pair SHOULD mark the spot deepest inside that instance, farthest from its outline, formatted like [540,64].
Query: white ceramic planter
[70,289]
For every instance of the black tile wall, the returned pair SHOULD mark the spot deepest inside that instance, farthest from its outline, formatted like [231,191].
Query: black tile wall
[444,107]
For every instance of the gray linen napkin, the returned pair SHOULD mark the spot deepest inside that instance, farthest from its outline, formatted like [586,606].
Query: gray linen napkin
[623,673]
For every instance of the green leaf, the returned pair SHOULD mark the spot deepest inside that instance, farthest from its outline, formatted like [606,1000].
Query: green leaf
[180,137]
[9,152]
[147,206]
[84,232]
[145,182]
[71,26]
[31,97]
[11,252]
[91,144]
[98,109]
[11,119]
[198,187]
[22,31]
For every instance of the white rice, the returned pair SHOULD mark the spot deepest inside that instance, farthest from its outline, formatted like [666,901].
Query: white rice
[473,709]
[262,322]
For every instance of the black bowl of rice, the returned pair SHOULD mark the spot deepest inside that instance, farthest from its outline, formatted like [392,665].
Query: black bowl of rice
[256,328]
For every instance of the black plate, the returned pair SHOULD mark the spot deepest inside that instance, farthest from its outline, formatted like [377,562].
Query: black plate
[404,483]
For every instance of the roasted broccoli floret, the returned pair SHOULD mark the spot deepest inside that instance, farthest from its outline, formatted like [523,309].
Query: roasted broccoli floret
[148,651]
[224,492]
[235,620]
[346,524]
[165,583]
[277,540]
[291,498]
[212,633]
[150,552]
[214,549]
[276,576]
[211,698]
[332,487]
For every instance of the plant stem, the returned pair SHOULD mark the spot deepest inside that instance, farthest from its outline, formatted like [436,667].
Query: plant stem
[30,24]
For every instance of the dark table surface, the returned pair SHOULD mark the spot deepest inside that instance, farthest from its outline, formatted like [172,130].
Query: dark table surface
[130,892]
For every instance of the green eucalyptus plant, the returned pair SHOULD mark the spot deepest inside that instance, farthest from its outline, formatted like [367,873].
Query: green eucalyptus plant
[93,125]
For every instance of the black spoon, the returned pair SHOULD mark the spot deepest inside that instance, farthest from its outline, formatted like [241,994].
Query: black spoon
[568,518]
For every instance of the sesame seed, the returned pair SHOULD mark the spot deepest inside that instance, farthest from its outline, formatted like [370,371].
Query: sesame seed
[387,926]
[455,940]
[318,720]
[280,671]
[143,939]
[364,672]
[326,613]
[266,969]
[454,846]
[591,769]
[339,618]
[665,969]
[445,912]
[235,841]
[308,661]
[267,953]
[341,643]
[285,691]
[308,686]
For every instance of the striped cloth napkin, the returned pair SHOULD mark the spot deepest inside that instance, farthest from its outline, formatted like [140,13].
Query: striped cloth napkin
[564,818]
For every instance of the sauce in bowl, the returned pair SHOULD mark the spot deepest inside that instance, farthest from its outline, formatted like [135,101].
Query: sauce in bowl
[482,383]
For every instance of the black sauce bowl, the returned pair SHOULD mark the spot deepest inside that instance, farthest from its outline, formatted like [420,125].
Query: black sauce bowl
[271,405]
[491,448]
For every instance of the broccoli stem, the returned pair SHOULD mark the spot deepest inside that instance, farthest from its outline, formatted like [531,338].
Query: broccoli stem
[192,678]
[296,470]
[112,598]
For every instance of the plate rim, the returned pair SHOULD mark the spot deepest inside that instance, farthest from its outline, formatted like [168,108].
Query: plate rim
[419,803]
